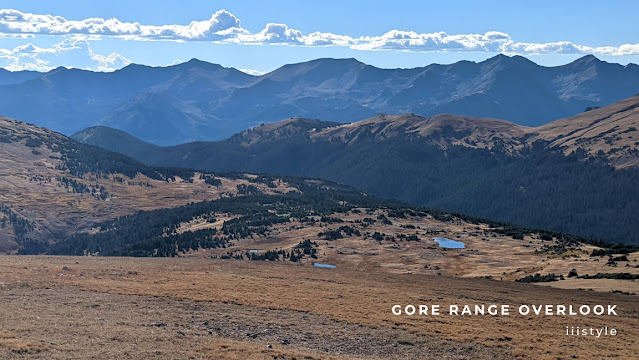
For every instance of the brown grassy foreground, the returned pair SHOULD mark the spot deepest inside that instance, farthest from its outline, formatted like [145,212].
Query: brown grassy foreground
[202,308]
[10,343]
[240,350]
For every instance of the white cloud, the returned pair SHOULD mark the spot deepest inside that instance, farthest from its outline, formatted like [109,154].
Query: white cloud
[412,41]
[110,62]
[273,33]
[70,52]
[221,25]
[16,36]
[565,47]
[282,34]
[561,47]
[626,49]
[224,27]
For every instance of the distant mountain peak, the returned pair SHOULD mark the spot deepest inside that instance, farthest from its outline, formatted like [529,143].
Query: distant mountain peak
[498,58]
[58,69]
[589,57]
[196,61]
[587,60]
[509,60]
[200,63]
[134,66]
[337,60]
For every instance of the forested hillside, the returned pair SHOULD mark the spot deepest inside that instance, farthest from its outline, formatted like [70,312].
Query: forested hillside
[260,219]
[484,167]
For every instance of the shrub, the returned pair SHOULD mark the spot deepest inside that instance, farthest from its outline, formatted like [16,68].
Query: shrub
[537,278]
[572,273]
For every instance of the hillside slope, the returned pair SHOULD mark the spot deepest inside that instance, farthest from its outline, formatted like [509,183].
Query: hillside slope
[541,177]
[52,186]
[609,133]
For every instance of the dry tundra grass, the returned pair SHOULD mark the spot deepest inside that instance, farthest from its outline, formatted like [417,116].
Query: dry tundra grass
[487,253]
[342,312]
[10,343]
[241,350]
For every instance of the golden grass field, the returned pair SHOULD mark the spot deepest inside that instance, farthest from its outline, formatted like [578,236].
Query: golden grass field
[487,253]
[132,308]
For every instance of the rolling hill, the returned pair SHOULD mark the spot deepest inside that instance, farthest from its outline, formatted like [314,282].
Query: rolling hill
[197,100]
[609,133]
[52,187]
[575,174]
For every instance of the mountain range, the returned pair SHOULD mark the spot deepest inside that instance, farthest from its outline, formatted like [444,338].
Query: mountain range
[200,101]
[14,77]
[576,174]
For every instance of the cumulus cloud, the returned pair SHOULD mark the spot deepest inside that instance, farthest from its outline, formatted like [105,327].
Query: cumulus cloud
[70,52]
[562,47]
[221,25]
[565,47]
[282,34]
[440,41]
[274,33]
[109,62]
[224,27]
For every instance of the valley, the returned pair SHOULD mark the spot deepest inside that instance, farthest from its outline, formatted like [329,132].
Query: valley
[67,198]
[531,176]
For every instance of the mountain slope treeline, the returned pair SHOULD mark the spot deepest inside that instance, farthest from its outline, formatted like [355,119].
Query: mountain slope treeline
[484,167]
[157,233]
[539,189]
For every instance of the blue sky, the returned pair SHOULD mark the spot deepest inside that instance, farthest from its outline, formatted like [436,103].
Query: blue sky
[44,34]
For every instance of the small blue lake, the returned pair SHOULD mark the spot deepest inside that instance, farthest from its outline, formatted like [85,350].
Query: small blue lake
[326,266]
[256,251]
[449,244]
